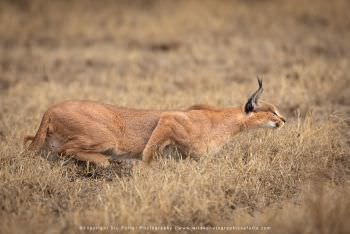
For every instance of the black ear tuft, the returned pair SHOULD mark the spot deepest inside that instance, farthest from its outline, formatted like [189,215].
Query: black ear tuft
[249,107]
[253,99]
[259,82]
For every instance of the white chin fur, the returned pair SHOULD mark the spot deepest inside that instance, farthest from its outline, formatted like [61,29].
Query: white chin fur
[270,124]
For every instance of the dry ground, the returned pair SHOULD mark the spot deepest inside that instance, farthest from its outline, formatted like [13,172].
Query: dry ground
[172,54]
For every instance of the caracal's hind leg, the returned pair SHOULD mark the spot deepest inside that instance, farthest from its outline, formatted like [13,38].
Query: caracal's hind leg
[96,158]
[82,150]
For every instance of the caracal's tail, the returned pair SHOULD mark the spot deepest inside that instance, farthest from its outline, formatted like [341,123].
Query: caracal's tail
[38,141]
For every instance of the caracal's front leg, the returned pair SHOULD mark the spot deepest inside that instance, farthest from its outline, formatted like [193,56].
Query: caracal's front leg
[159,139]
[169,130]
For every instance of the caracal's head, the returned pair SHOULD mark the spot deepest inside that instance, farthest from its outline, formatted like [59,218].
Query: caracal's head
[261,114]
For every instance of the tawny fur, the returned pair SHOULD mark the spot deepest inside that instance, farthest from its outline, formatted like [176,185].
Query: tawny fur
[97,132]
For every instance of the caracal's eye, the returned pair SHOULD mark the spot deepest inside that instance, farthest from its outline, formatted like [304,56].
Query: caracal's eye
[274,113]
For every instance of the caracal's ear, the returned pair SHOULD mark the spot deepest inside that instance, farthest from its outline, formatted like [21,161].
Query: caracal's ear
[252,102]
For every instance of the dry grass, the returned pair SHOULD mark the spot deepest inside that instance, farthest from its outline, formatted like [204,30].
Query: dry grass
[162,54]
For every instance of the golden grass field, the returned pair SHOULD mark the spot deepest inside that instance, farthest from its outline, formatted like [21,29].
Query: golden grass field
[173,54]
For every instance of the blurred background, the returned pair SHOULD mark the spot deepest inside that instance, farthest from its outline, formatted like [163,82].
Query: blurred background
[150,53]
